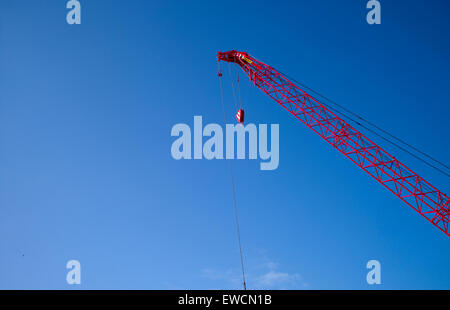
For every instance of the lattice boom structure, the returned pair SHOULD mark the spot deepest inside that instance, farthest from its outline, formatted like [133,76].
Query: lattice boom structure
[420,195]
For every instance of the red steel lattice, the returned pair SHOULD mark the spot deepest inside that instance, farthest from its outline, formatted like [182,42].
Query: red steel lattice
[420,195]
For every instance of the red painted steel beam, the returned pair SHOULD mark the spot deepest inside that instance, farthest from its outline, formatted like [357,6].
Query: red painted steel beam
[417,193]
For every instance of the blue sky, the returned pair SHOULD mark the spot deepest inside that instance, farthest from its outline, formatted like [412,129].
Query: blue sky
[86,172]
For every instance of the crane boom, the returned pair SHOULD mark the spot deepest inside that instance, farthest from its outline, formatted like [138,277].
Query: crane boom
[420,195]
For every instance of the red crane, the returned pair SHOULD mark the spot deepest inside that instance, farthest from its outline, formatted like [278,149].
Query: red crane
[420,195]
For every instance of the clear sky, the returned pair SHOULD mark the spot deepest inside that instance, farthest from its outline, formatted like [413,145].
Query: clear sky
[86,171]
